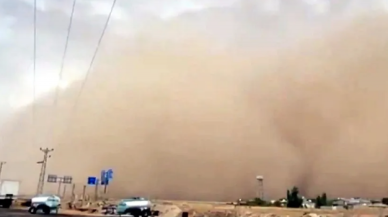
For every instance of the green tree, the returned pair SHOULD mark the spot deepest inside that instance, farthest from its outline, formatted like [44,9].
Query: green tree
[293,198]
[324,200]
[318,202]
[321,200]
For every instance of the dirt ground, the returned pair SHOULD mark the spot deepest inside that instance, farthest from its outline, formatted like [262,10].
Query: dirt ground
[214,209]
[22,212]
[221,209]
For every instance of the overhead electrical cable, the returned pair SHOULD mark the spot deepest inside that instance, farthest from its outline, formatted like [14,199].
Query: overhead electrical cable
[64,53]
[34,78]
[86,78]
[95,54]
[57,88]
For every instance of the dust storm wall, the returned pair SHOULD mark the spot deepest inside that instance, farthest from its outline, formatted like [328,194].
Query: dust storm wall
[179,120]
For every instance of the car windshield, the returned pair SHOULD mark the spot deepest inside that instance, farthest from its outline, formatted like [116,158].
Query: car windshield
[133,199]
[41,198]
[45,195]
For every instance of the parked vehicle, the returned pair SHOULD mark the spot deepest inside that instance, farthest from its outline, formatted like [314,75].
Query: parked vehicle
[6,202]
[45,203]
[135,206]
[9,187]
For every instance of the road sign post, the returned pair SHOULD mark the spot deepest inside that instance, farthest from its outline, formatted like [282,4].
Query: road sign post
[106,176]
[96,191]
[60,180]
[94,181]
[64,191]
[73,192]
[83,194]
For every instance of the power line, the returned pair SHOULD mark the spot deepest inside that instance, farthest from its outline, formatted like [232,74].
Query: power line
[95,53]
[34,77]
[90,65]
[42,174]
[52,128]
[64,52]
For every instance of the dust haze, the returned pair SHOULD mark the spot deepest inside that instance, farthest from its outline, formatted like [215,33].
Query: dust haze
[195,118]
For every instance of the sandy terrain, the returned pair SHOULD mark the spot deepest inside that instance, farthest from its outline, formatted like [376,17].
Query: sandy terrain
[221,209]
[214,209]
[23,212]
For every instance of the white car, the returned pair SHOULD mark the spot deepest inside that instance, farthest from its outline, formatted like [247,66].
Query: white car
[45,203]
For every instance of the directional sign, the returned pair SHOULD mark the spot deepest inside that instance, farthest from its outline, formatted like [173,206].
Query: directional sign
[105,182]
[103,175]
[52,178]
[106,176]
[67,179]
[109,174]
[92,180]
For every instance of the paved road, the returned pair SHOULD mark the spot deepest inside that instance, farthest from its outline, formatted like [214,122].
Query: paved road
[24,213]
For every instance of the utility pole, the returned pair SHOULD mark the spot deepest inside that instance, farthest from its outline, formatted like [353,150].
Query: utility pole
[42,174]
[1,166]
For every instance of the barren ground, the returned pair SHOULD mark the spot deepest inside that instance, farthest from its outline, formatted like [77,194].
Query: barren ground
[221,209]
[215,209]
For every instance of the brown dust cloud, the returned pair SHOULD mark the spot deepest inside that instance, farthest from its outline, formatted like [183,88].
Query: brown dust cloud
[186,119]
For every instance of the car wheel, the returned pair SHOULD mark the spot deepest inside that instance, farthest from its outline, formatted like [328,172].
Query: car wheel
[46,210]
[133,212]
[146,213]
[32,210]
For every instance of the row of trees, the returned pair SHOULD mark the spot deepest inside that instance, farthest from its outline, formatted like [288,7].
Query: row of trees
[293,200]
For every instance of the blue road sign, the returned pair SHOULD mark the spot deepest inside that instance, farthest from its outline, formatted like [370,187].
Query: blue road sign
[103,174]
[92,180]
[109,174]
[105,182]
[106,176]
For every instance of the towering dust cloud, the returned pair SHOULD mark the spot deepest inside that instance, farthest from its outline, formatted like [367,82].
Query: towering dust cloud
[183,120]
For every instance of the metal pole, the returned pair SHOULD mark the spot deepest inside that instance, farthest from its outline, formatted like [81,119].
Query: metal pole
[59,186]
[96,191]
[83,193]
[1,166]
[258,190]
[73,192]
[105,188]
[42,174]
[262,189]
[64,191]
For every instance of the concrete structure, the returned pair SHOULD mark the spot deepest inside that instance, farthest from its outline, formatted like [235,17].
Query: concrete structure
[260,188]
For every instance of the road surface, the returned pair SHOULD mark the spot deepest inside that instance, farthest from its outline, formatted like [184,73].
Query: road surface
[24,213]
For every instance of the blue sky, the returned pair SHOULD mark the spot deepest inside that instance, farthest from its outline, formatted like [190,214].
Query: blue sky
[129,18]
